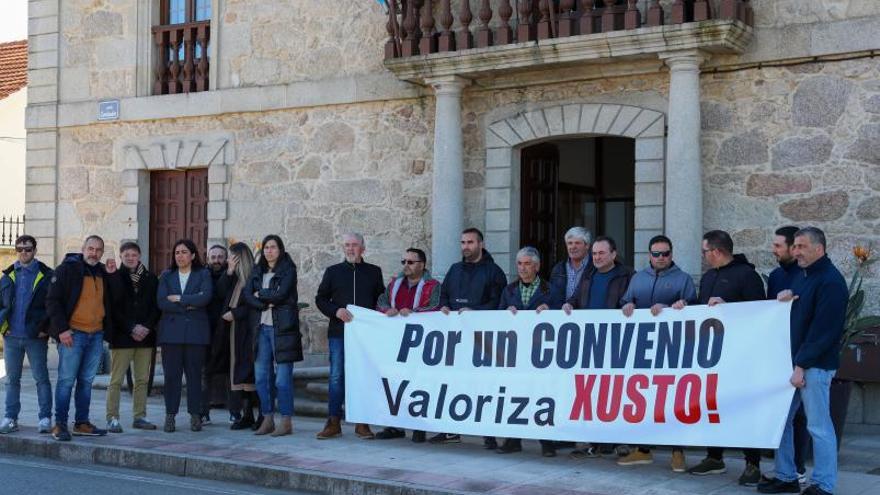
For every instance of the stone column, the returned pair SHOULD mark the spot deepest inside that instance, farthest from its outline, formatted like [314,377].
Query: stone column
[447,191]
[684,177]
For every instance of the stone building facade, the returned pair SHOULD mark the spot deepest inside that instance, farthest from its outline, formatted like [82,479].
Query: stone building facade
[307,131]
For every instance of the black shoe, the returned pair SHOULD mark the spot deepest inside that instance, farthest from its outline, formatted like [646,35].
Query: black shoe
[708,466]
[257,423]
[751,476]
[548,449]
[815,490]
[776,485]
[390,433]
[60,433]
[205,419]
[489,443]
[445,438]
[510,446]
[418,436]
[242,424]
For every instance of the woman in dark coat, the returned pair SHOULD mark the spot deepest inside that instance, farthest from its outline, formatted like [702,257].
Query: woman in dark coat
[272,296]
[184,330]
[236,317]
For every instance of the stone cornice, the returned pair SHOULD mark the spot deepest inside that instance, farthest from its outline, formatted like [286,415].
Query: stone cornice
[714,36]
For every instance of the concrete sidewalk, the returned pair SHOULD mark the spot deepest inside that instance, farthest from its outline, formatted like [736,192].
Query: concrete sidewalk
[349,465]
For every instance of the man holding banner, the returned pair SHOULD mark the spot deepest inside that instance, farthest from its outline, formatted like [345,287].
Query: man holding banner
[731,278]
[413,290]
[474,283]
[817,319]
[658,286]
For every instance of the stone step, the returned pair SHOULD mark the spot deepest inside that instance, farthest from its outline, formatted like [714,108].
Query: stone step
[311,373]
[318,390]
[304,406]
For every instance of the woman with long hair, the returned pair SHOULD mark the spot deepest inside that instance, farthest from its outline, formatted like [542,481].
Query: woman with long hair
[236,314]
[272,296]
[184,330]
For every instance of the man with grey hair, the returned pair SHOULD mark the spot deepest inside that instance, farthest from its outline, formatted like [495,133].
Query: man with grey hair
[527,293]
[354,281]
[818,314]
[566,274]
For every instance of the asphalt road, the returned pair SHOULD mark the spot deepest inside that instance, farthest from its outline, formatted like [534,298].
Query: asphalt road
[25,475]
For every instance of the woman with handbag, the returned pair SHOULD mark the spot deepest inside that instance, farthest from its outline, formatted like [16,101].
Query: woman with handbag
[272,296]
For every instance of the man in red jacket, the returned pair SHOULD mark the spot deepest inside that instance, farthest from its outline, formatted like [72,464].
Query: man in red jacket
[412,290]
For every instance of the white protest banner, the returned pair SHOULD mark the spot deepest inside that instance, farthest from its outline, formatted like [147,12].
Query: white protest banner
[700,376]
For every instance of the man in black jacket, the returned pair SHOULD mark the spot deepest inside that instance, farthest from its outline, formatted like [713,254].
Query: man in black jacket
[79,308]
[731,278]
[217,358]
[132,337]
[355,282]
[474,283]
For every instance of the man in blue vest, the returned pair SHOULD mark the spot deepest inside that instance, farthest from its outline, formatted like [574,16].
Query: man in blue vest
[23,321]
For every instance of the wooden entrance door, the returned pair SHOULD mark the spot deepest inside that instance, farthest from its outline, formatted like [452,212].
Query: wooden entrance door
[539,177]
[178,210]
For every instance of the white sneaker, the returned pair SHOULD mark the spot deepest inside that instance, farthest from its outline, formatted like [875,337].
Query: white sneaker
[45,426]
[113,425]
[8,425]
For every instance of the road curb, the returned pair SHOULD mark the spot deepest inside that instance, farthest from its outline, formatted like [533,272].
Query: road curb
[277,477]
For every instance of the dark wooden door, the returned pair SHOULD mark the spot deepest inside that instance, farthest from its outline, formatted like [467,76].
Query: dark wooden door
[178,210]
[539,177]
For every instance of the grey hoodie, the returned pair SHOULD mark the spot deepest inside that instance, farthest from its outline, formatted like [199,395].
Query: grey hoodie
[647,288]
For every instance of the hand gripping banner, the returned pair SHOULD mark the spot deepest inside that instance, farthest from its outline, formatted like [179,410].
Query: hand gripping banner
[715,376]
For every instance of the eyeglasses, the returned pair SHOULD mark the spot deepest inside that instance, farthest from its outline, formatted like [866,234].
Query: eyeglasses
[409,262]
[24,249]
[707,250]
[658,254]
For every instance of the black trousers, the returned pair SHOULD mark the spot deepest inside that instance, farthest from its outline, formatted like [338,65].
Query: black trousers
[753,456]
[178,359]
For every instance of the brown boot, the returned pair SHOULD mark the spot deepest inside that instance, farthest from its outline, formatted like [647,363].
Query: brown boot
[362,430]
[267,426]
[331,429]
[285,427]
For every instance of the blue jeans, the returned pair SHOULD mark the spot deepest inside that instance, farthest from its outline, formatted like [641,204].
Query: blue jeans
[815,397]
[14,351]
[337,376]
[78,363]
[265,374]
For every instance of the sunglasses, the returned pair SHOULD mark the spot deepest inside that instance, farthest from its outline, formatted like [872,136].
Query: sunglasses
[25,249]
[409,262]
[658,254]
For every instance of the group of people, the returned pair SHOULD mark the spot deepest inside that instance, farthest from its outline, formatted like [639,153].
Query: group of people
[240,315]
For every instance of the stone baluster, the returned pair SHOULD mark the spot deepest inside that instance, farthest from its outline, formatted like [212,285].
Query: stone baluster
[446,40]
[447,188]
[161,63]
[174,69]
[202,37]
[391,46]
[525,30]
[465,38]
[702,10]
[484,34]
[410,45]
[678,12]
[566,18]
[418,10]
[655,14]
[749,13]
[428,44]
[684,200]
[586,22]
[545,30]
[504,34]
[608,15]
[632,19]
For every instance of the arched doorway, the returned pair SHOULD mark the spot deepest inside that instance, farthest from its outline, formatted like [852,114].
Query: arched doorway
[588,182]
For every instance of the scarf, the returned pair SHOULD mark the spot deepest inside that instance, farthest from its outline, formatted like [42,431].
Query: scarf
[136,276]
[396,287]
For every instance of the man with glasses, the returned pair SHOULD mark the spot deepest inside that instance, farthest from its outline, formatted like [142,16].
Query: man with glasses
[658,286]
[23,322]
[730,278]
[412,290]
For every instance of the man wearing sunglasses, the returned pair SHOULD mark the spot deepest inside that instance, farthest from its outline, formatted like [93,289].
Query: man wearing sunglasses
[658,286]
[23,321]
[411,290]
